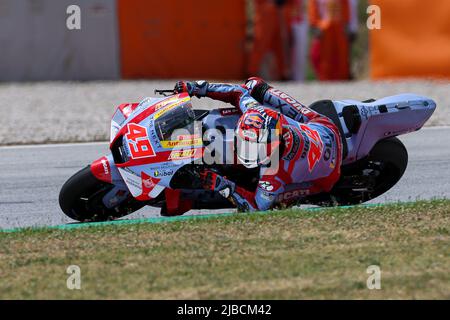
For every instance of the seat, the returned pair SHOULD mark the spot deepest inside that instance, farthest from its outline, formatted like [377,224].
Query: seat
[326,108]
[352,118]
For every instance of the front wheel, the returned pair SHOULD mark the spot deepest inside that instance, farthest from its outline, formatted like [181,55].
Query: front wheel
[81,198]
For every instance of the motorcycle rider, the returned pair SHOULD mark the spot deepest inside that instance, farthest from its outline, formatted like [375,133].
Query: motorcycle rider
[306,144]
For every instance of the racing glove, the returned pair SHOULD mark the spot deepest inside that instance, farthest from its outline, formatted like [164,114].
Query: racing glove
[197,88]
[244,200]
[214,182]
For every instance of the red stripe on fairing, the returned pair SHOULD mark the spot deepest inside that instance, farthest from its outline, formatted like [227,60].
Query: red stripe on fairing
[101,169]
[144,114]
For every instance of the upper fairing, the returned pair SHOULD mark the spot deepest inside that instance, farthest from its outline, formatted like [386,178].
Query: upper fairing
[148,163]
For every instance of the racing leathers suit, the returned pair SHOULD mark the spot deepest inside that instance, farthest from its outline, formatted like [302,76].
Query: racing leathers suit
[312,154]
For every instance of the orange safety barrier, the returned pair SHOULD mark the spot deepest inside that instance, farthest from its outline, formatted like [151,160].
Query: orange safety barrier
[182,39]
[414,39]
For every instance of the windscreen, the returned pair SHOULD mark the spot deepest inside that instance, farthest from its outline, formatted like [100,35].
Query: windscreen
[181,117]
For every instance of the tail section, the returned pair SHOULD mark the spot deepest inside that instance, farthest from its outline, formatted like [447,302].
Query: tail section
[383,118]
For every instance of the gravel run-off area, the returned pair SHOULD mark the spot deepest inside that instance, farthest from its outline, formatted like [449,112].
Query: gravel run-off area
[46,112]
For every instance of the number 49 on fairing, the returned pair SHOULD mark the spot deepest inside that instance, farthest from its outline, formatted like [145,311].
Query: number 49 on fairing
[138,142]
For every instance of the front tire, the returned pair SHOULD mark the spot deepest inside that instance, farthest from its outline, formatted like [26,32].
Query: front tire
[81,199]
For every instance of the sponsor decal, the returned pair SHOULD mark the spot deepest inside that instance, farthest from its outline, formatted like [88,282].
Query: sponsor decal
[165,102]
[101,169]
[269,185]
[229,111]
[292,144]
[129,171]
[153,135]
[290,195]
[188,136]
[132,180]
[364,112]
[252,105]
[266,185]
[182,154]
[181,143]
[161,112]
[166,166]
[287,136]
[105,165]
[254,120]
[148,184]
[170,107]
[249,134]
[163,173]
[291,101]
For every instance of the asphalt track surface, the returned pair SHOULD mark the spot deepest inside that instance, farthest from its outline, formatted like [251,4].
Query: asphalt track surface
[31,177]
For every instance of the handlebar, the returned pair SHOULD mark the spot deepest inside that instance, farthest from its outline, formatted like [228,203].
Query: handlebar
[164,92]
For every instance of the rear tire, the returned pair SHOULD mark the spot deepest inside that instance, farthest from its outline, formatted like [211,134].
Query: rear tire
[81,198]
[387,162]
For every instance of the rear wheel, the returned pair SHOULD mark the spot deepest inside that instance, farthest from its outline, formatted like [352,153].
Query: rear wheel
[369,177]
[81,198]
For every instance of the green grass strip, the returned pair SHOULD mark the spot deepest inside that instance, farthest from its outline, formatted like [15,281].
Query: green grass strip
[71,226]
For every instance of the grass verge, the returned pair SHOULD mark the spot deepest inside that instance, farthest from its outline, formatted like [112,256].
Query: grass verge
[293,254]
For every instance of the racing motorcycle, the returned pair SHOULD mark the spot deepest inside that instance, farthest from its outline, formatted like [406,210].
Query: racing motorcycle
[158,147]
